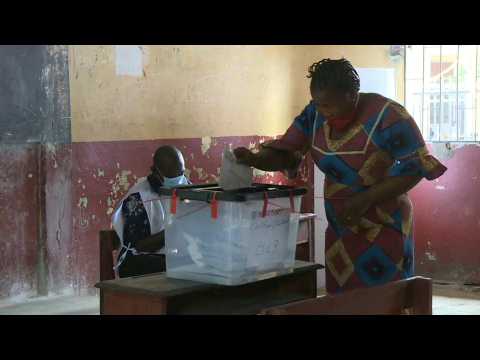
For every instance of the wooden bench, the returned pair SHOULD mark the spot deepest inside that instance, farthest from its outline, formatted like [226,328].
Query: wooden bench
[410,296]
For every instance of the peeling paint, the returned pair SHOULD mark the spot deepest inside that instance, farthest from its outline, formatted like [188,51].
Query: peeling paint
[206,144]
[261,173]
[83,202]
[121,182]
[467,211]
[201,174]
[100,173]
[52,151]
[429,253]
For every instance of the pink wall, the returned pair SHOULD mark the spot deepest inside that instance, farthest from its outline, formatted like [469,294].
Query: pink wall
[85,180]
[447,219]
[18,218]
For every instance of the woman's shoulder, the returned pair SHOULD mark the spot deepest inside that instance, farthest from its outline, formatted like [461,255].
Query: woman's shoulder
[374,103]
[306,118]
[373,99]
[310,109]
[380,100]
[394,112]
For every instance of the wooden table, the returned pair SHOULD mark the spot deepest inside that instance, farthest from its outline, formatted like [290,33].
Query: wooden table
[156,294]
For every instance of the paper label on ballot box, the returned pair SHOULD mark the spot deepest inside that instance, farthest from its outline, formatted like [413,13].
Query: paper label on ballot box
[269,245]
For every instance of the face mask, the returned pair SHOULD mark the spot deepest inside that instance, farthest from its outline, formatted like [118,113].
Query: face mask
[340,123]
[176,181]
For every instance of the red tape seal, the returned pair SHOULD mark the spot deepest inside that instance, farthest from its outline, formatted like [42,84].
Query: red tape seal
[292,204]
[265,204]
[214,207]
[173,204]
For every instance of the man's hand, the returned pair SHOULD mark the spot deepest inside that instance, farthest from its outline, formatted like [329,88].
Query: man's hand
[355,208]
[152,243]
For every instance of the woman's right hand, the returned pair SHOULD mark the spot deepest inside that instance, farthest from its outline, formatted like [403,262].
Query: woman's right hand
[244,156]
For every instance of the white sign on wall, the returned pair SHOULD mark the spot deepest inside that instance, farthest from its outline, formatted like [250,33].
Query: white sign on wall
[129,60]
[378,80]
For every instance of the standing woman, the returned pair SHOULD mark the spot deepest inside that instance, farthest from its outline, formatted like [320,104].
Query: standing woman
[372,154]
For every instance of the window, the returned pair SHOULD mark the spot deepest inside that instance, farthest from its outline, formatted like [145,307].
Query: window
[442,87]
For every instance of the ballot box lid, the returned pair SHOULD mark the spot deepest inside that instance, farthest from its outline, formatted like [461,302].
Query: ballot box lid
[206,192]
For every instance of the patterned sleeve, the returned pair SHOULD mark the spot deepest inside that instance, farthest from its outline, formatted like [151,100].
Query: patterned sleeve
[298,135]
[136,223]
[398,134]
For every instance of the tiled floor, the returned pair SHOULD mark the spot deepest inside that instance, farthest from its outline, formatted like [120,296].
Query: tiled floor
[443,305]
[445,302]
[59,305]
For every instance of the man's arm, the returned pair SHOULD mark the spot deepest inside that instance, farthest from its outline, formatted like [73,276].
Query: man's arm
[151,243]
[137,226]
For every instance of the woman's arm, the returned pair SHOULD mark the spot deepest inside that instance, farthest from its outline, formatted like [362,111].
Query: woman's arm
[406,146]
[389,188]
[268,159]
[285,153]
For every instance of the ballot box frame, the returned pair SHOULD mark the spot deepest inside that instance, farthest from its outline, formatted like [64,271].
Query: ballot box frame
[205,192]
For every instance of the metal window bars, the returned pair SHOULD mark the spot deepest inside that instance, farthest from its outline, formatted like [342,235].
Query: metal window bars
[444,109]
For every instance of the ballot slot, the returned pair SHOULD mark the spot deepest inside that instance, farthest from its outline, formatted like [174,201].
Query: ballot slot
[246,242]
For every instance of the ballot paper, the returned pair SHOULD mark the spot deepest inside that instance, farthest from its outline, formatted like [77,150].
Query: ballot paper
[234,175]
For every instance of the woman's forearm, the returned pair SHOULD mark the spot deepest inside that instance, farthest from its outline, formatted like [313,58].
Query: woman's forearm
[391,188]
[268,159]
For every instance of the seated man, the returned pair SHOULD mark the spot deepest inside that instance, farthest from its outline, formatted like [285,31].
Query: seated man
[140,217]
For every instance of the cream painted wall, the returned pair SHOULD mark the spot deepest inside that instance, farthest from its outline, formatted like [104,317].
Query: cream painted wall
[187,91]
[195,91]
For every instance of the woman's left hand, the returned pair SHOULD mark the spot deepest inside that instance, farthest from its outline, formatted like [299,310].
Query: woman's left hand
[355,208]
